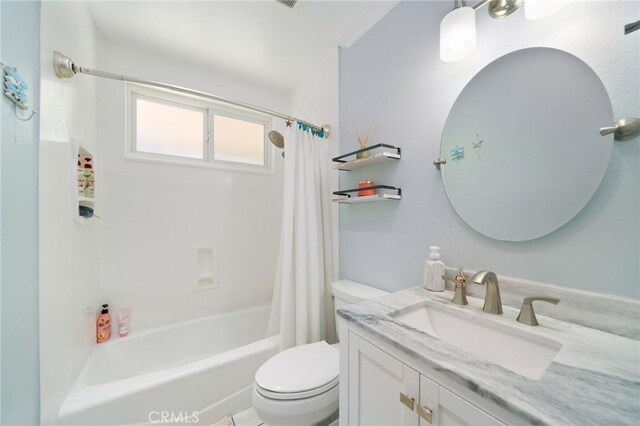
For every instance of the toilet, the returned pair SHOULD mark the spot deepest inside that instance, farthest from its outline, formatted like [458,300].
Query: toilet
[299,386]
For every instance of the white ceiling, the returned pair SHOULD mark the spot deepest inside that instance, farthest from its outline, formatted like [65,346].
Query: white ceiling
[261,42]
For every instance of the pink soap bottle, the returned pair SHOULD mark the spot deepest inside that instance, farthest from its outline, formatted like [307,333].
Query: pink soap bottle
[103,332]
[123,322]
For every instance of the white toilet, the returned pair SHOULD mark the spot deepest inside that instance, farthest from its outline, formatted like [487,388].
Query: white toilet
[299,386]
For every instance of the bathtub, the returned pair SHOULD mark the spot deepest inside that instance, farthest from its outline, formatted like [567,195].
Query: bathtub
[194,372]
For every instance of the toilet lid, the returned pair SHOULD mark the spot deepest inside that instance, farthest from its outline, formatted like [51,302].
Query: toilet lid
[300,369]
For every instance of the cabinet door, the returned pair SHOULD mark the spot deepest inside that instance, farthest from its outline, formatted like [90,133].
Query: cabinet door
[382,390]
[440,407]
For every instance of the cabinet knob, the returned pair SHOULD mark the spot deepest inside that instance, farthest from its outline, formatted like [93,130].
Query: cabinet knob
[425,413]
[407,400]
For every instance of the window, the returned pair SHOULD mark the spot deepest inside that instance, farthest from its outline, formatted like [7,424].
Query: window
[238,140]
[163,128]
[170,127]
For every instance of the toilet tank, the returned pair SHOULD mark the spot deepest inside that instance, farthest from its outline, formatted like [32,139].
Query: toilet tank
[347,292]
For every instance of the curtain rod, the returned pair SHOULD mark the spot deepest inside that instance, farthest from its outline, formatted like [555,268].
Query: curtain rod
[64,67]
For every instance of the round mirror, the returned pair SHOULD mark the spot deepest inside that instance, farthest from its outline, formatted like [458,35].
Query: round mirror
[523,151]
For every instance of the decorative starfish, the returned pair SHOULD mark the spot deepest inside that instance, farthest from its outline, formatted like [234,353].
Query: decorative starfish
[288,123]
[477,145]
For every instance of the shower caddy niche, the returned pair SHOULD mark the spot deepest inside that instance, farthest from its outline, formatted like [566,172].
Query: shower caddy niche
[375,154]
[84,183]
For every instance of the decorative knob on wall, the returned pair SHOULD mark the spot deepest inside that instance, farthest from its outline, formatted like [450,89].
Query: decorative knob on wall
[624,130]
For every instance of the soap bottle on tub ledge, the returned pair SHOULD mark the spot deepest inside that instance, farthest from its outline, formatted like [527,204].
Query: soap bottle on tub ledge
[103,326]
[124,316]
[434,271]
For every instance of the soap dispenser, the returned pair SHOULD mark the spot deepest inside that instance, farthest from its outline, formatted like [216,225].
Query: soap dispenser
[434,270]
[103,326]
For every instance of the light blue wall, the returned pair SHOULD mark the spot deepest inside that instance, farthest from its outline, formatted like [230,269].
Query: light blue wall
[393,76]
[19,193]
[2,136]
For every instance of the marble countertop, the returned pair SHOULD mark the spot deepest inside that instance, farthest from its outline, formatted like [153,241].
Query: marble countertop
[593,380]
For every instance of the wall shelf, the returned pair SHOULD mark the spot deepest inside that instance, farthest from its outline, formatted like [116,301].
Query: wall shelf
[86,200]
[368,199]
[383,193]
[379,157]
[386,153]
[380,153]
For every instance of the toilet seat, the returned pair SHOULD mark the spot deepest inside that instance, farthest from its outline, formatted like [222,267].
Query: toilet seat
[298,386]
[297,395]
[296,412]
[301,372]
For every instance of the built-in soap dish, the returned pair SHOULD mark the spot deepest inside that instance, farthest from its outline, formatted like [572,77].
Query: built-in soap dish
[207,268]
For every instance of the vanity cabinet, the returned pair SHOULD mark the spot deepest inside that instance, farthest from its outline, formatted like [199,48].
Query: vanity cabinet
[384,391]
[376,382]
[443,407]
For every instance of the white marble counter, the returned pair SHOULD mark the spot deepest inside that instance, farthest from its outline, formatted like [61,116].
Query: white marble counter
[593,380]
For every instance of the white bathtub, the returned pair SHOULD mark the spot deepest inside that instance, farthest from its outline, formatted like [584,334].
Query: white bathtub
[193,372]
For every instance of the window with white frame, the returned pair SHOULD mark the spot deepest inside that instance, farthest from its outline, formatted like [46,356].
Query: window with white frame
[168,126]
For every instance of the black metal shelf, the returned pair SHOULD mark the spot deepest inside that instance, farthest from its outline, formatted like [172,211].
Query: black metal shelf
[347,198]
[373,158]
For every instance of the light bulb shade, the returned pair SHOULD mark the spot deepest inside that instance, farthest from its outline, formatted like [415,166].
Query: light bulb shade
[540,9]
[458,34]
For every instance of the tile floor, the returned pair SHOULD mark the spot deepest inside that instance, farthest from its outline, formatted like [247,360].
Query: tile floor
[247,417]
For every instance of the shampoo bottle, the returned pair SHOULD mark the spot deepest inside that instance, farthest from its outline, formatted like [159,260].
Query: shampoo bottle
[103,332]
[433,271]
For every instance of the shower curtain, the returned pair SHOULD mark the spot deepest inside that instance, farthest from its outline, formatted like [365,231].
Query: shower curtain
[300,309]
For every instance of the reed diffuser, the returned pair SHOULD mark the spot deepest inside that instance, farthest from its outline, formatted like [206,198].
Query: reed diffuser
[363,142]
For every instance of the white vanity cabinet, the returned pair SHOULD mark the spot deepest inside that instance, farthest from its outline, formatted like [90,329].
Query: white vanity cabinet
[376,382]
[438,406]
[384,391]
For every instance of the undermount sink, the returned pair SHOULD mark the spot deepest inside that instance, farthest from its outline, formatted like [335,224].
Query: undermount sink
[510,347]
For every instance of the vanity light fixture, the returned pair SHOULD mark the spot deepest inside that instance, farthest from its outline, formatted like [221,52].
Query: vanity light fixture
[500,8]
[458,33]
[458,27]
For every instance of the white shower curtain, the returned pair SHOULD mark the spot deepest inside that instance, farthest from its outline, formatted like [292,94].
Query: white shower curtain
[300,310]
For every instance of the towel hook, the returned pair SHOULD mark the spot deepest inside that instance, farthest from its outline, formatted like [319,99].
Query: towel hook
[15,111]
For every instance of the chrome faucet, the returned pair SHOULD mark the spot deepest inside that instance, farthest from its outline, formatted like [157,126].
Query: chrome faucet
[492,301]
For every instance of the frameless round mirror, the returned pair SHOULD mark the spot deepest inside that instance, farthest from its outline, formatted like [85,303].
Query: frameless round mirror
[523,151]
